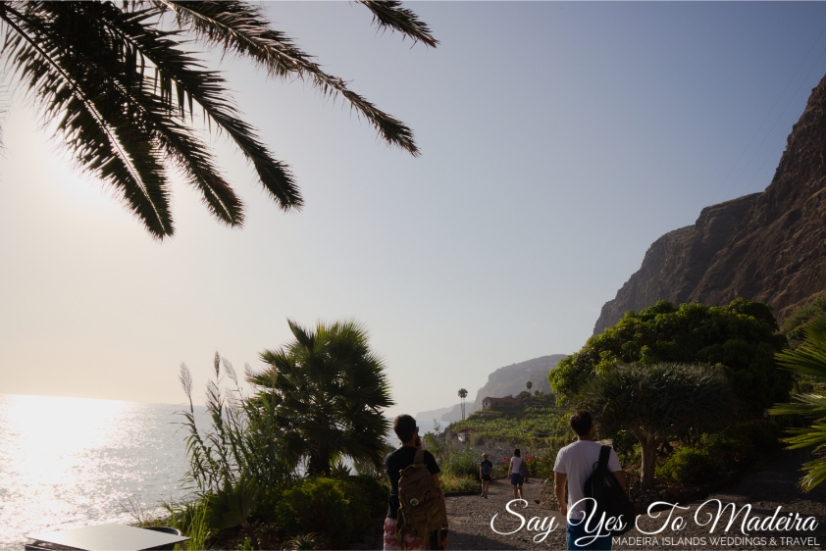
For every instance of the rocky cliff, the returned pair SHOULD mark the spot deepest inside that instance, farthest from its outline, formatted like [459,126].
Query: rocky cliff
[769,246]
[511,379]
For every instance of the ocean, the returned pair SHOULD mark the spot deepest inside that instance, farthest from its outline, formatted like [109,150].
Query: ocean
[67,462]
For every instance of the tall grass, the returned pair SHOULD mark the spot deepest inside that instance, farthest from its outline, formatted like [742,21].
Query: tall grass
[235,464]
[192,520]
[243,443]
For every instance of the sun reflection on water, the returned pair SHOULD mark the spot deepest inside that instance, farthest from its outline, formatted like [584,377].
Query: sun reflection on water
[68,461]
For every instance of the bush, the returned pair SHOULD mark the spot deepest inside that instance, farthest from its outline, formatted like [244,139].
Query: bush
[741,442]
[462,463]
[339,508]
[458,483]
[542,466]
[375,492]
[689,466]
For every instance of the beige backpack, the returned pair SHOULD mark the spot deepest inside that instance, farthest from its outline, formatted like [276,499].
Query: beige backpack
[420,503]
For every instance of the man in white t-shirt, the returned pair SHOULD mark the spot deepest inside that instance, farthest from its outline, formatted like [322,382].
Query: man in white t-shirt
[574,464]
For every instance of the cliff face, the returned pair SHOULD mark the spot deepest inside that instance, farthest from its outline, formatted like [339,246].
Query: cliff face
[511,379]
[769,246]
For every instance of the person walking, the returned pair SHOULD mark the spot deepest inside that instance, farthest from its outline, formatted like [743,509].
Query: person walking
[517,467]
[485,469]
[574,464]
[405,428]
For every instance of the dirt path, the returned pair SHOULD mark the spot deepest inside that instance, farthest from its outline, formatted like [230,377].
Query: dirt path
[773,486]
[470,519]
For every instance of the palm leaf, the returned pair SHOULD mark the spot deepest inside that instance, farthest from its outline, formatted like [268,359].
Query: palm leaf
[243,29]
[99,136]
[390,14]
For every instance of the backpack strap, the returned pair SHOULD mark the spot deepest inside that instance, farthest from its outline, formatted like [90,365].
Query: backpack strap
[419,458]
[604,452]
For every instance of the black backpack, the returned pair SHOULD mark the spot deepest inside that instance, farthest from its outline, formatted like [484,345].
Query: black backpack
[610,498]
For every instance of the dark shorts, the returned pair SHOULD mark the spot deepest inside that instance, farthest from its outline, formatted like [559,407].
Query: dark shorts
[486,477]
[516,479]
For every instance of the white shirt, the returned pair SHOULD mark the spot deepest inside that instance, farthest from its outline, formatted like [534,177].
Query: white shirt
[578,461]
[516,462]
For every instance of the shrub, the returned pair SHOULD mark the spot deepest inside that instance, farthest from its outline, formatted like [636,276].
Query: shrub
[375,492]
[691,466]
[457,483]
[337,507]
[461,463]
[740,442]
[543,466]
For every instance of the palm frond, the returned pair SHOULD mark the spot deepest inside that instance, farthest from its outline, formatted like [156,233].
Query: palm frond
[99,136]
[808,359]
[243,29]
[805,405]
[390,14]
[131,88]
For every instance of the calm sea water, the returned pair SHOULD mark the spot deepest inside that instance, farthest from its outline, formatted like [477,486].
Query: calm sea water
[67,462]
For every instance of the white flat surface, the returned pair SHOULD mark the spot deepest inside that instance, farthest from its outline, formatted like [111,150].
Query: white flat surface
[108,537]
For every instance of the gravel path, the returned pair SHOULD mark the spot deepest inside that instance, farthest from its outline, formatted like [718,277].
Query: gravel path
[773,486]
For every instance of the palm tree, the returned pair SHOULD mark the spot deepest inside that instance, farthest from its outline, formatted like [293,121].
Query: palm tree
[328,390]
[124,92]
[463,395]
[808,360]
[657,403]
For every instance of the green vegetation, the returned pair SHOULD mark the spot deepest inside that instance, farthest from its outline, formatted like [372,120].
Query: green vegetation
[688,466]
[536,426]
[341,508]
[809,360]
[462,396]
[125,92]
[658,403]
[680,390]
[795,325]
[326,389]
[739,340]
[268,472]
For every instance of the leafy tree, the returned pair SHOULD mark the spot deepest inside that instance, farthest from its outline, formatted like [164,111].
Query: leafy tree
[808,360]
[462,396]
[657,403]
[124,91]
[328,390]
[739,339]
[529,385]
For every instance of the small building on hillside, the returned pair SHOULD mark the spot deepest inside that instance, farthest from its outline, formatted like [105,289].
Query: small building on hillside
[507,402]
[463,434]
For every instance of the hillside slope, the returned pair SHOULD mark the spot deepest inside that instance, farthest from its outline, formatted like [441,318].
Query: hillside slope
[769,246]
[511,379]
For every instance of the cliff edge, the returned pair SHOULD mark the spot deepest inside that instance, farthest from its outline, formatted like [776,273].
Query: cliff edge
[769,246]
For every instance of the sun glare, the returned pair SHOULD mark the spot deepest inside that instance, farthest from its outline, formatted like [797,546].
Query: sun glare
[57,443]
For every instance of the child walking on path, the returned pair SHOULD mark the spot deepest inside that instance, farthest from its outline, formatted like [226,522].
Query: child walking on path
[484,474]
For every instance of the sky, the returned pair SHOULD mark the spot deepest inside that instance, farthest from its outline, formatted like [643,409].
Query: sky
[559,140]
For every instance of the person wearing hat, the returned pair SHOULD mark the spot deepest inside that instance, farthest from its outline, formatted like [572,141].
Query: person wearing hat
[485,470]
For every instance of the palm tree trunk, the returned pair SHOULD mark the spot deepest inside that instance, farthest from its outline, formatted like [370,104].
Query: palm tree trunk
[319,462]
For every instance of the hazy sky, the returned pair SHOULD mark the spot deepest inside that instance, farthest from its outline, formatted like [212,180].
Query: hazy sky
[559,141]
